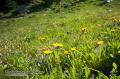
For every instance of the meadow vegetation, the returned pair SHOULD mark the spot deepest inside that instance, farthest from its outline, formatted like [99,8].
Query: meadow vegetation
[77,42]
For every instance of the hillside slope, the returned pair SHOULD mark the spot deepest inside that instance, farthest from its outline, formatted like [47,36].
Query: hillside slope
[74,43]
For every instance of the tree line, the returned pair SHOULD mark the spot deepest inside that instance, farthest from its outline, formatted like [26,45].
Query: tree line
[7,5]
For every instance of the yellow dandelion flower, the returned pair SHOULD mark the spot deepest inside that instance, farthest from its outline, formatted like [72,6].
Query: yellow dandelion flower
[73,49]
[66,53]
[100,42]
[46,52]
[58,45]
[83,29]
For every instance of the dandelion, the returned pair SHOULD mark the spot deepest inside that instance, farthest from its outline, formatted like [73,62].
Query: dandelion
[66,53]
[83,30]
[73,49]
[57,45]
[100,42]
[46,52]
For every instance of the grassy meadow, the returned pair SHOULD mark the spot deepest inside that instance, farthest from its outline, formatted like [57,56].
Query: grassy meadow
[79,42]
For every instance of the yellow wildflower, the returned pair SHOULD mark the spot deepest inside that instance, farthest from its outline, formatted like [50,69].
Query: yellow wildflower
[66,53]
[47,52]
[83,29]
[100,42]
[73,49]
[58,45]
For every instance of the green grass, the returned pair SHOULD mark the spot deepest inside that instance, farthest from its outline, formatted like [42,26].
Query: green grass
[24,40]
